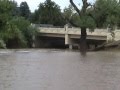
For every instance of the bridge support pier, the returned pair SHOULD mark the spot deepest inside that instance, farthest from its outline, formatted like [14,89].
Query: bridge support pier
[33,41]
[70,47]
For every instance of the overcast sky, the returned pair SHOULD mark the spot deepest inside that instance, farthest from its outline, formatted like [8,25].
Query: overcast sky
[33,4]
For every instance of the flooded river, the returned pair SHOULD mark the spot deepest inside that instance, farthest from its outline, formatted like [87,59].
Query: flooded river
[59,70]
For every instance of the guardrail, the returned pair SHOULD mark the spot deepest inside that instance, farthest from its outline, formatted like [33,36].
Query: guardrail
[114,35]
[72,31]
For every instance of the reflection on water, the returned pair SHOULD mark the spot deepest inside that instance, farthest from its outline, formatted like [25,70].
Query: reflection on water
[59,70]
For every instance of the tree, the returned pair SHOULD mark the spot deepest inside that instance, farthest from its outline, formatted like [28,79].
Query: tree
[107,13]
[70,15]
[15,31]
[35,17]
[8,31]
[5,15]
[101,14]
[16,9]
[49,13]
[68,12]
[84,22]
[25,28]
[13,36]
[24,10]
[5,12]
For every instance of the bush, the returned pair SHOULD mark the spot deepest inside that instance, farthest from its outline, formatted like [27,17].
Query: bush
[26,30]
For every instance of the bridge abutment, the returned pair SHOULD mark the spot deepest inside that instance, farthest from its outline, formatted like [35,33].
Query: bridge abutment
[70,47]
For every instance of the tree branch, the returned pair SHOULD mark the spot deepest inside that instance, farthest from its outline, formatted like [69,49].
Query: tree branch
[73,24]
[75,7]
[85,6]
[69,20]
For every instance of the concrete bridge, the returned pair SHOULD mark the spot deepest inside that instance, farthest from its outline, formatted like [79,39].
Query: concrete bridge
[71,36]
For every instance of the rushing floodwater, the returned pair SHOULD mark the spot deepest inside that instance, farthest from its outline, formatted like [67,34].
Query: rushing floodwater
[59,70]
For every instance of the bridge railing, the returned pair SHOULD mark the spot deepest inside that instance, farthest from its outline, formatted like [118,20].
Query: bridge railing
[115,35]
[52,30]
[76,31]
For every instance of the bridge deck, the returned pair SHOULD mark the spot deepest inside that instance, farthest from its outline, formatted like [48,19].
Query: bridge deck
[73,33]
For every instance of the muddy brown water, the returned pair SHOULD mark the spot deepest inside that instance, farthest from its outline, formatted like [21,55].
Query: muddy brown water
[48,69]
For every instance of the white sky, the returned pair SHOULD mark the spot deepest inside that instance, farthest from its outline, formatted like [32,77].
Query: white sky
[33,4]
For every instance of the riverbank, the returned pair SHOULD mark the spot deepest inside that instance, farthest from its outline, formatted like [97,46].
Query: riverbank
[114,49]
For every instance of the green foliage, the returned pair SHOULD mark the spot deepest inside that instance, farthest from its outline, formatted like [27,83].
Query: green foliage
[16,9]
[14,31]
[68,12]
[25,28]
[48,13]
[5,6]
[107,13]
[104,13]
[87,21]
[5,15]
[21,23]
[34,17]
[32,31]
[5,12]
[24,10]
[83,21]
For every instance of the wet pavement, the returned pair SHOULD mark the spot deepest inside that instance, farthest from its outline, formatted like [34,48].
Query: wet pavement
[47,69]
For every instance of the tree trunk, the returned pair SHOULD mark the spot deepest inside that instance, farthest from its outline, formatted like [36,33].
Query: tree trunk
[83,41]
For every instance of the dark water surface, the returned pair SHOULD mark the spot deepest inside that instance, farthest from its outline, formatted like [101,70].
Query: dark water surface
[59,70]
